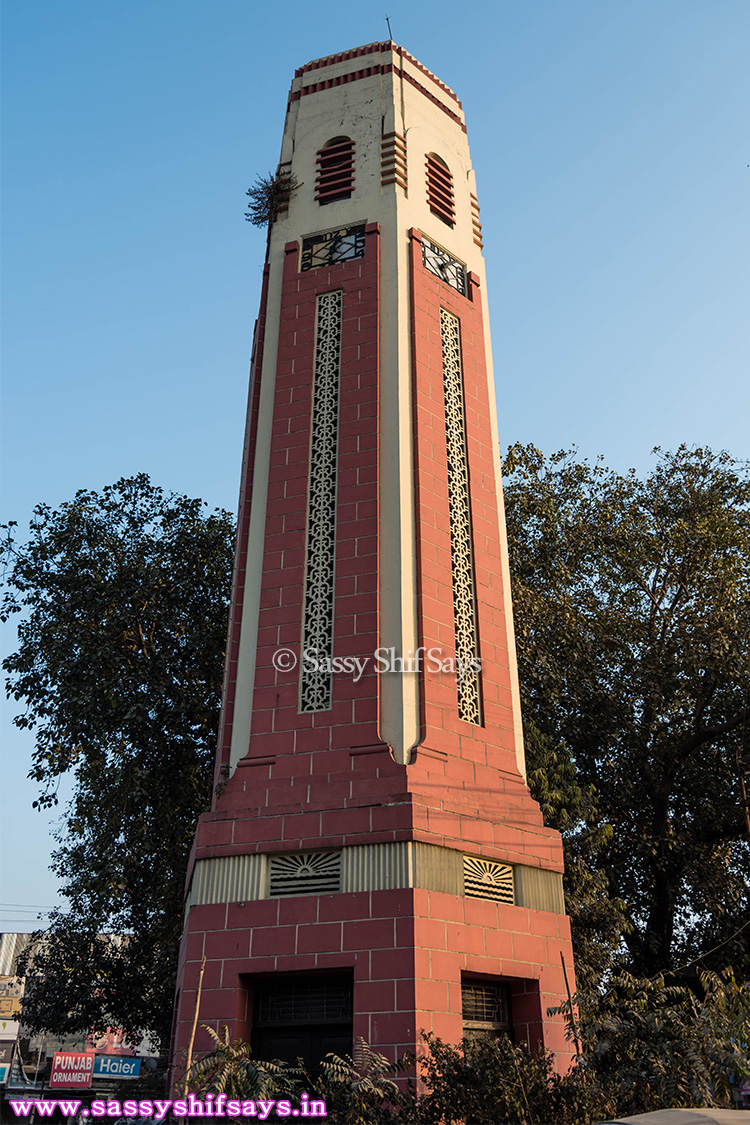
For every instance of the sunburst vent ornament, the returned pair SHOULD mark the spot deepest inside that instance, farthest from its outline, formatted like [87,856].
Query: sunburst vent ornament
[483,878]
[308,873]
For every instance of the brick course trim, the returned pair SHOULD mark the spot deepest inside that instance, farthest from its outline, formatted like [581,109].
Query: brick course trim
[369,72]
[376,48]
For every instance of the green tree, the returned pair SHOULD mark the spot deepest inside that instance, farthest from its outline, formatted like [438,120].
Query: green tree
[122,597]
[647,1045]
[633,630]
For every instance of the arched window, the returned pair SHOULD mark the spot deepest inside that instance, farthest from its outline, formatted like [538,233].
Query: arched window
[440,189]
[335,179]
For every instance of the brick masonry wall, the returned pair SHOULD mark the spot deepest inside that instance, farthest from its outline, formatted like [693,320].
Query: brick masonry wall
[475,766]
[326,779]
[407,950]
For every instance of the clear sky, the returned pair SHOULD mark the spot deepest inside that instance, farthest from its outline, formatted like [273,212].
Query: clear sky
[610,141]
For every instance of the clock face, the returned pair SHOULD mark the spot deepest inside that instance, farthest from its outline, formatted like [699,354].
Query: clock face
[333,246]
[448,269]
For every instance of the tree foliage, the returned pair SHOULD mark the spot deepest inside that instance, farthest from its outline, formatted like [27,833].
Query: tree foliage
[122,597]
[358,1090]
[647,1045]
[633,632]
[270,195]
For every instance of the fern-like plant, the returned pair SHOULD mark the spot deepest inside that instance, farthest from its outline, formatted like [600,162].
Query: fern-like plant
[362,1090]
[231,1069]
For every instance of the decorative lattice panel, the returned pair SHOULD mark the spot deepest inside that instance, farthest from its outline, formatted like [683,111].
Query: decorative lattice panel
[308,873]
[316,684]
[462,561]
[484,878]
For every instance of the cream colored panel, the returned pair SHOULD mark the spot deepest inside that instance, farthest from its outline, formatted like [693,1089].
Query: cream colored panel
[380,867]
[231,878]
[438,869]
[539,890]
[372,867]
[376,867]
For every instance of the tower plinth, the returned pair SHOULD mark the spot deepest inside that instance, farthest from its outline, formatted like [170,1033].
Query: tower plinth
[373,863]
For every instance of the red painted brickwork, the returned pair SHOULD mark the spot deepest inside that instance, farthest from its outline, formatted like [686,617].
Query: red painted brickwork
[375,48]
[408,951]
[326,779]
[321,777]
[475,766]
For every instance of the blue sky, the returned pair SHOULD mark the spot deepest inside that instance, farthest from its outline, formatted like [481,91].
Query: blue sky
[611,148]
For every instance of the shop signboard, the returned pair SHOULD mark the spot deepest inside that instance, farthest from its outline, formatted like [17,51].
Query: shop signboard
[110,1042]
[71,1069]
[116,1066]
[6,1058]
[11,988]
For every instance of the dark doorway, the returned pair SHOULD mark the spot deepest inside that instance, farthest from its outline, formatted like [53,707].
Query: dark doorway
[302,1017]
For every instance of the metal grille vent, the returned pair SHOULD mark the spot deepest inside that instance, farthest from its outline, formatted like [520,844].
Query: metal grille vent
[309,873]
[486,1004]
[297,1001]
[483,878]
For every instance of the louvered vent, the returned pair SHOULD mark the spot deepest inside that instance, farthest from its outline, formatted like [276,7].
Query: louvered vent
[475,223]
[440,189]
[483,878]
[393,160]
[309,873]
[335,179]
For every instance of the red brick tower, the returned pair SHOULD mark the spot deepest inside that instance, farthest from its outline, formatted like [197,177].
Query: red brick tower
[373,864]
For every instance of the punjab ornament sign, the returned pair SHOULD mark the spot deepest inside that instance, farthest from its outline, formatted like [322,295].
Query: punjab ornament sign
[71,1069]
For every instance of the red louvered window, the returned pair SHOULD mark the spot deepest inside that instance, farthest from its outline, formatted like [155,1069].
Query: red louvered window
[440,189]
[335,178]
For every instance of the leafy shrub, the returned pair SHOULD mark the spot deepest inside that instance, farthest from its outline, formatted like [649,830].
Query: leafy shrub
[493,1082]
[648,1045]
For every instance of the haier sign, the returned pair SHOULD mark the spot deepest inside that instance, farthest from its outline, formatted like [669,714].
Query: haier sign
[116,1066]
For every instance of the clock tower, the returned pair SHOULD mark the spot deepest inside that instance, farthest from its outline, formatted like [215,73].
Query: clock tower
[373,863]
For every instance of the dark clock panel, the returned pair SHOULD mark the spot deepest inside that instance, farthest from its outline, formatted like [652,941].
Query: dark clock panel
[439,262]
[334,246]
